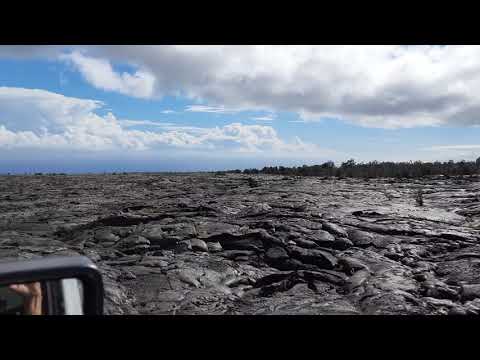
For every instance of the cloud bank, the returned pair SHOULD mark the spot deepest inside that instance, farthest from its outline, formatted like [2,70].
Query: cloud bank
[32,118]
[372,86]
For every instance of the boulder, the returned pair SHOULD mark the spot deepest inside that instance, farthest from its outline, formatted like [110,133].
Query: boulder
[319,258]
[153,261]
[360,238]
[334,229]
[255,210]
[307,244]
[132,240]
[276,254]
[154,234]
[322,238]
[342,243]
[214,230]
[470,292]
[351,265]
[183,246]
[138,249]
[134,244]
[233,254]
[106,236]
[199,245]
[214,247]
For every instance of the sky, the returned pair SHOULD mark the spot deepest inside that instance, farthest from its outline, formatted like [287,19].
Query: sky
[193,108]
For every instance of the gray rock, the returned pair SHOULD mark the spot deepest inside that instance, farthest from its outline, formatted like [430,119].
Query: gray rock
[181,230]
[189,277]
[342,243]
[154,234]
[252,242]
[330,276]
[214,247]
[106,236]
[322,259]
[457,310]
[125,260]
[153,261]
[276,254]
[439,302]
[402,259]
[107,244]
[357,280]
[128,275]
[351,265]
[183,246]
[199,245]
[472,307]
[470,292]
[323,238]
[233,254]
[133,240]
[137,249]
[334,229]
[439,290]
[216,230]
[360,238]
[307,244]
[255,210]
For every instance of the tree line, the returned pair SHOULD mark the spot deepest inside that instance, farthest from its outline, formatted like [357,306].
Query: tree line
[374,169]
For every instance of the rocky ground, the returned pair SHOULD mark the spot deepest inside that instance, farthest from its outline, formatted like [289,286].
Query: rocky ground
[237,244]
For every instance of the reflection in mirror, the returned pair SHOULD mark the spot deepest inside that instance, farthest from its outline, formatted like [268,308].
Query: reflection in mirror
[53,297]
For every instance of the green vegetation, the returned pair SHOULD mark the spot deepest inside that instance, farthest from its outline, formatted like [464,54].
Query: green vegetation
[374,169]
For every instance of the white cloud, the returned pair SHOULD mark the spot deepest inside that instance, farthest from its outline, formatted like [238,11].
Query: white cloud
[132,123]
[99,73]
[40,119]
[168,111]
[267,118]
[210,109]
[452,147]
[298,121]
[27,109]
[372,86]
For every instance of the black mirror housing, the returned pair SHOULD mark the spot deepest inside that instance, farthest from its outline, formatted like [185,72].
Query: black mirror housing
[56,268]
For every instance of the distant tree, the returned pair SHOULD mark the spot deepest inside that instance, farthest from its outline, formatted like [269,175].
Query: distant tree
[348,163]
[375,169]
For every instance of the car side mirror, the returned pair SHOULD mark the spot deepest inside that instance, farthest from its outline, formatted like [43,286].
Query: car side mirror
[51,286]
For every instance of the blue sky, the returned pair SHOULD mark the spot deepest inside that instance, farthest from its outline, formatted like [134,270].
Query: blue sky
[164,108]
